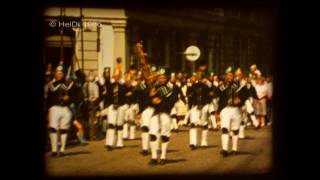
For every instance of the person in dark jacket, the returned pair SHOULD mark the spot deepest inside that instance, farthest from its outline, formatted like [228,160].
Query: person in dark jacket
[115,113]
[59,115]
[231,100]
[199,102]
[160,121]
[176,95]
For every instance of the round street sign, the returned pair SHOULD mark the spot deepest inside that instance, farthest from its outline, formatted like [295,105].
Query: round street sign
[192,53]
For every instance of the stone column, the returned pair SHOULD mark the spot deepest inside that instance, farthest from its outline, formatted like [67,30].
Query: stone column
[167,51]
[120,42]
[106,57]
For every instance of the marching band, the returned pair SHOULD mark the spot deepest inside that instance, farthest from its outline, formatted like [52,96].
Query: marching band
[156,102]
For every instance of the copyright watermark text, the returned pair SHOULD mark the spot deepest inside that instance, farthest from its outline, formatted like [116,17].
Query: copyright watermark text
[73,24]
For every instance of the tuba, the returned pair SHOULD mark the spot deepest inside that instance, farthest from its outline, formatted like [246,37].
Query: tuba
[143,65]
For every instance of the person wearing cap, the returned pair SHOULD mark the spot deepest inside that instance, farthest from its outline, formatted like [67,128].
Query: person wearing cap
[130,107]
[181,104]
[213,106]
[59,115]
[249,93]
[189,84]
[115,113]
[146,108]
[160,123]
[230,102]
[199,100]
[176,95]
[216,80]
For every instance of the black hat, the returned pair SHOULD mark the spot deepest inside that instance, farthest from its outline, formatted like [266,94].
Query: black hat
[107,69]
[229,70]
[60,68]
[173,74]
[153,68]
[164,71]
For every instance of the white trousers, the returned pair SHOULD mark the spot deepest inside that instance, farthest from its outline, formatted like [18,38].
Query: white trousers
[199,116]
[130,112]
[146,116]
[116,116]
[59,117]
[160,123]
[231,118]
[213,106]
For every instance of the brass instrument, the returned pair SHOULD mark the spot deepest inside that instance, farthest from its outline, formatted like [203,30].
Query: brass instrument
[143,64]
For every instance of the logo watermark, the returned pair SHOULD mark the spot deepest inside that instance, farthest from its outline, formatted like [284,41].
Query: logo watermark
[73,24]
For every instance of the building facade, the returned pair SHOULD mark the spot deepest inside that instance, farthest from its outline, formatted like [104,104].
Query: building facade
[236,37]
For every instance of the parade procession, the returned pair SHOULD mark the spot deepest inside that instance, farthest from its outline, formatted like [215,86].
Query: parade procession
[146,108]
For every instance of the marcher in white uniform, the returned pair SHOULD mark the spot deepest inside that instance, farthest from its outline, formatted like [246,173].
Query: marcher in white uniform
[231,99]
[132,108]
[115,113]
[199,101]
[214,91]
[105,83]
[160,123]
[146,92]
[189,84]
[248,109]
[59,115]
[181,105]
[176,96]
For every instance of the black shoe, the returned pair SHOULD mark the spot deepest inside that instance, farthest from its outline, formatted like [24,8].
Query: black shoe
[61,154]
[109,148]
[193,147]
[224,153]
[84,143]
[153,162]
[162,161]
[54,154]
[233,153]
[144,152]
